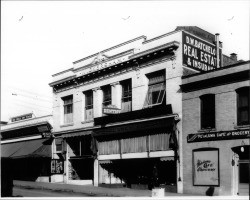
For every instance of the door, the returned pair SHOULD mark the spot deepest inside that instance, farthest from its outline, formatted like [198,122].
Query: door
[244,167]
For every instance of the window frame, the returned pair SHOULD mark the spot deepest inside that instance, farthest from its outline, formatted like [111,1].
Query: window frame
[203,120]
[89,94]
[108,102]
[152,85]
[245,92]
[67,105]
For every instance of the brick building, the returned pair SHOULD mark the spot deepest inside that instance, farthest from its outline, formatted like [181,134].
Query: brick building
[216,131]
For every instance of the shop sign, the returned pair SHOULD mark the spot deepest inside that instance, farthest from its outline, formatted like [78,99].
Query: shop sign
[199,54]
[111,109]
[206,167]
[104,65]
[57,166]
[222,135]
[19,118]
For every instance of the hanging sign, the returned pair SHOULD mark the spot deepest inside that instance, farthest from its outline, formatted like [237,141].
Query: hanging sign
[57,166]
[206,167]
[222,135]
[111,109]
[199,54]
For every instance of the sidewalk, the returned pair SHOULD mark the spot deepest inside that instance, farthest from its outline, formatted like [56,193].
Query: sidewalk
[91,190]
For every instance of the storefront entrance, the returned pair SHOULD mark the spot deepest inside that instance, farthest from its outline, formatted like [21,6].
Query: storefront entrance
[244,166]
[139,173]
[242,169]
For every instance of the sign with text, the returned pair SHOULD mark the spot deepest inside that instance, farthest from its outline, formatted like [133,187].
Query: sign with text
[111,109]
[206,167]
[57,166]
[23,117]
[222,135]
[199,54]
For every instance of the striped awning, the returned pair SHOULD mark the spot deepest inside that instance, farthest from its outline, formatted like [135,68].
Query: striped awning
[77,134]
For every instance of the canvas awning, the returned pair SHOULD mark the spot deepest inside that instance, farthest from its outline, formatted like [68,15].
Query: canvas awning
[27,149]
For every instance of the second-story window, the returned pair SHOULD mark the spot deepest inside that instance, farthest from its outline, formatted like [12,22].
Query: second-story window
[68,109]
[243,106]
[89,105]
[106,95]
[156,89]
[126,96]
[207,111]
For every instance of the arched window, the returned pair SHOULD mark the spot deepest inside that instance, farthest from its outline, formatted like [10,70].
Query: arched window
[243,106]
[207,111]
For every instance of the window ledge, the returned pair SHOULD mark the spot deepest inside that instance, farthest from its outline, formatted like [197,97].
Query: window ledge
[87,121]
[65,125]
[242,127]
[206,130]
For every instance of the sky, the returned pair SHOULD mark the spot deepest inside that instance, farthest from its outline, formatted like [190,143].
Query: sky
[41,38]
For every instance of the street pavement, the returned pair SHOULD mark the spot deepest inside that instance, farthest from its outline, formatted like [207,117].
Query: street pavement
[69,190]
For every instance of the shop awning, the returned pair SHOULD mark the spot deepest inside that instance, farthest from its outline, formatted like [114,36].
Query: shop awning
[26,149]
[77,134]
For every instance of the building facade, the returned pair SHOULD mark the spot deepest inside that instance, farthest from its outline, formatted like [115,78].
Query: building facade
[216,131]
[118,113]
[26,148]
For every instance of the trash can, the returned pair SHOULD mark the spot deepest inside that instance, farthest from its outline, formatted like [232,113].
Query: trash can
[158,192]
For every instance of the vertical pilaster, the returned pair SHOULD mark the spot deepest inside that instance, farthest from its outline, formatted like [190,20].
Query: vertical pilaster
[97,101]
[96,172]
[116,94]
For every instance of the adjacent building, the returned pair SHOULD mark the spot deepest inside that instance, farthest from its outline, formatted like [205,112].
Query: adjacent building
[26,148]
[118,113]
[215,137]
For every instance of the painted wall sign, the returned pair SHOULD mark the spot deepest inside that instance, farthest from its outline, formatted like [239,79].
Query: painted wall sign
[111,109]
[222,135]
[23,117]
[104,64]
[199,54]
[206,167]
[57,166]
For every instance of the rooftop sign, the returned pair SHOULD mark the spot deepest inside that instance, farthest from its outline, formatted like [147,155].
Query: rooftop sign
[199,54]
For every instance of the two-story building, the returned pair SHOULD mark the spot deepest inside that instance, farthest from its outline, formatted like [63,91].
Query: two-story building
[216,135]
[118,113]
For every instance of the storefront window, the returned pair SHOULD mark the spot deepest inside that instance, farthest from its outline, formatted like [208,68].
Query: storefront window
[68,109]
[126,96]
[207,111]
[89,105]
[156,89]
[243,106]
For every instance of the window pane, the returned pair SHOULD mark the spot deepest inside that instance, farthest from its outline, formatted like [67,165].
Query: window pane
[208,111]
[243,106]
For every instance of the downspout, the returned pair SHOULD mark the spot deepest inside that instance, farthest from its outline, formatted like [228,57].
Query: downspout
[217,50]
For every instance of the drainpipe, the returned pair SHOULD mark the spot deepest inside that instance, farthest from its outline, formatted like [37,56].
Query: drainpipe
[217,50]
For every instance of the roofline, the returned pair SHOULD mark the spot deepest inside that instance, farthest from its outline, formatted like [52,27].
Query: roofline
[111,48]
[222,68]
[62,72]
[26,126]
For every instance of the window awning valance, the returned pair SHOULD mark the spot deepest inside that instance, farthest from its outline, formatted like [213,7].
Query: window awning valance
[77,134]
